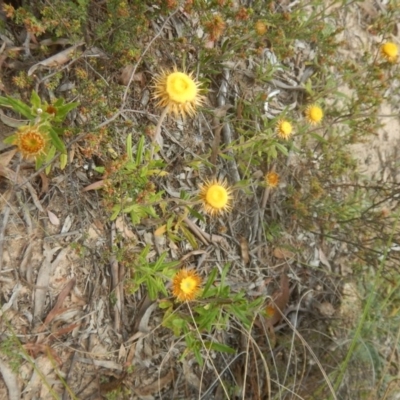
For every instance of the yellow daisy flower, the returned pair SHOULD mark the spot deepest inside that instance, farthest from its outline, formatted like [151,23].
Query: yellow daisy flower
[178,91]
[272,179]
[390,51]
[284,129]
[30,141]
[186,285]
[314,114]
[216,197]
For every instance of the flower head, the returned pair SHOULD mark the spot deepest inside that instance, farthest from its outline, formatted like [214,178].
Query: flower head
[30,141]
[216,197]
[186,285]
[284,129]
[260,27]
[314,114]
[215,27]
[178,91]
[390,51]
[272,179]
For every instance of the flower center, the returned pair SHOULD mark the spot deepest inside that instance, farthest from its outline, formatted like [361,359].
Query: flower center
[286,127]
[181,88]
[316,114]
[32,142]
[390,49]
[188,285]
[217,196]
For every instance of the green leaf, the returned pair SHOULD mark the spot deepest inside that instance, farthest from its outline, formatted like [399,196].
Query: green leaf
[318,137]
[56,141]
[220,347]
[129,147]
[139,151]
[210,280]
[20,107]
[10,139]
[49,156]
[116,211]
[282,149]
[62,111]
[35,100]
[63,161]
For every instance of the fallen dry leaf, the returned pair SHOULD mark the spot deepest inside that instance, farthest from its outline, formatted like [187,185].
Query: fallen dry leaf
[94,186]
[126,73]
[282,253]
[57,307]
[54,220]
[244,248]
[6,157]
[122,228]
[279,301]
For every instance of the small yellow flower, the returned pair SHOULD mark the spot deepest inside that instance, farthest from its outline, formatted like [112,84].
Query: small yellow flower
[284,129]
[186,285]
[30,141]
[260,27]
[314,114]
[216,197]
[178,91]
[390,51]
[272,179]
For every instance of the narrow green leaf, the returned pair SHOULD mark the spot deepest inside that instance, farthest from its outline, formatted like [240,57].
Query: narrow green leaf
[220,347]
[63,161]
[35,100]
[62,111]
[116,211]
[139,152]
[210,280]
[129,147]
[21,108]
[56,141]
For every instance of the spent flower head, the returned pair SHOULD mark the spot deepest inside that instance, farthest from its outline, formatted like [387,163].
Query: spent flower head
[390,51]
[284,129]
[178,91]
[314,114]
[272,179]
[186,285]
[216,197]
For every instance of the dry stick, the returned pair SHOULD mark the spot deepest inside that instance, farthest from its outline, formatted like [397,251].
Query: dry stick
[260,216]
[226,130]
[116,284]
[204,236]
[217,140]
[157,133]
[3,225]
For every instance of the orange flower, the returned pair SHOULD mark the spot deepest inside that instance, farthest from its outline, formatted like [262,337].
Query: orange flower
[260,27]
[215,27]
[30,141]
[186,285]
[272,179]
